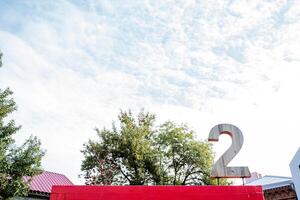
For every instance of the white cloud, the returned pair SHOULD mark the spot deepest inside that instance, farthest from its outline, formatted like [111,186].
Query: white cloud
[74,64]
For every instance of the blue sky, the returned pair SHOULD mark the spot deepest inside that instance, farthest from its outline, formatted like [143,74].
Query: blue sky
[74,64]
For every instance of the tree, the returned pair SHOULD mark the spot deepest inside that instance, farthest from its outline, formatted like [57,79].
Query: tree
[185,160]
[121,156]
[137,153]
[15,162]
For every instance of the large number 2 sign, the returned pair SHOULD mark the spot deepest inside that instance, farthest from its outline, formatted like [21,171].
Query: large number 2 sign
[220,169]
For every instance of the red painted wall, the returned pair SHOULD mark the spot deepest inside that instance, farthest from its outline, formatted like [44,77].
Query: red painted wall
[156,192]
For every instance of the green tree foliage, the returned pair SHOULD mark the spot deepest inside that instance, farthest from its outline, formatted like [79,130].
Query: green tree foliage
[121,156]
[15,162]
[185,160]
[137,153]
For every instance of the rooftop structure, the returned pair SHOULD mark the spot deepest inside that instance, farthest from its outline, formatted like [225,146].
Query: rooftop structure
[276,187]
[40,185]
[295,170]
[270,182]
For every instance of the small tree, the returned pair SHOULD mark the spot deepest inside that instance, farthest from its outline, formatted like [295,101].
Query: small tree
[185,160]
[121,156]
[138,154]
[15,162]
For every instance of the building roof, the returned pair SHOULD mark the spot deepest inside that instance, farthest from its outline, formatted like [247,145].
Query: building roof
[295,166]
[254,176]
[43,182]
[270,182]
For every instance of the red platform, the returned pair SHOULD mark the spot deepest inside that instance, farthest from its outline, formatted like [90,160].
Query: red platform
[156,192]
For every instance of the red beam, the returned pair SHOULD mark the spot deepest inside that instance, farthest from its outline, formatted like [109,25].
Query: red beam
[157,192]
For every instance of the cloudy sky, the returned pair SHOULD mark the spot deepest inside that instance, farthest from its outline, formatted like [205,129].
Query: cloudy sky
[74,64]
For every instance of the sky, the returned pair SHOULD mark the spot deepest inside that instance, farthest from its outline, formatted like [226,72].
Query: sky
[74,64]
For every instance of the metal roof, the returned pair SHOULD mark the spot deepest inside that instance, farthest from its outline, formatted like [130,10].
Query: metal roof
[269,182]
[44,181]
[295,166]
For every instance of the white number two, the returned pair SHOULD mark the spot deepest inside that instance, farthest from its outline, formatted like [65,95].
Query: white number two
[220,169]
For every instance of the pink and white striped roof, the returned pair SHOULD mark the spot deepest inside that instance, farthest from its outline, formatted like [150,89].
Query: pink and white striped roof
[44,181]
